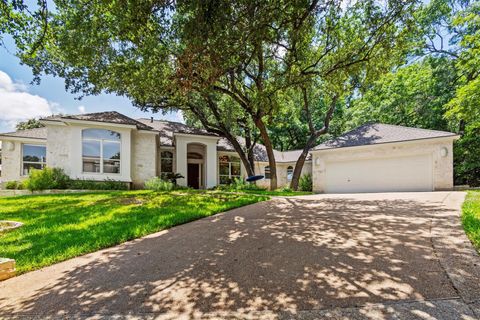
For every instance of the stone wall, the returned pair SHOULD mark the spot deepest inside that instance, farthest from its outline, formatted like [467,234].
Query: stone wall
[144,157]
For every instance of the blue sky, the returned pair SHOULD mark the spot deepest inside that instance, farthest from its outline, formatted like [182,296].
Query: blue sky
[19,100]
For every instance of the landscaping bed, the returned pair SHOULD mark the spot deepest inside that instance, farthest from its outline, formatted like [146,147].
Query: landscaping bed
[61,226]
[471,217]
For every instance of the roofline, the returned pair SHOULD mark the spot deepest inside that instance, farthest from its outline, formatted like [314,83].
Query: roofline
[4,137]
[451,137]
[207,136]
[66,120]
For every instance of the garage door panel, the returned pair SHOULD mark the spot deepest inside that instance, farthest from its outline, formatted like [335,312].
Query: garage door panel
[412,173]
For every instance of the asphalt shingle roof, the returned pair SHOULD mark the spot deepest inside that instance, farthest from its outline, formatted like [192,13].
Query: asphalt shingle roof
[377,133]
[106,117]
[168,128]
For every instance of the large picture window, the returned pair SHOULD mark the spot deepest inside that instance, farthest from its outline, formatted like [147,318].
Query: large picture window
[33,157]
[100,151]
[166,162]
[229,168]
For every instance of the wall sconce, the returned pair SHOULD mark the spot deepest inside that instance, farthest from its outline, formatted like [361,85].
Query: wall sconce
[443,152]
[317,161]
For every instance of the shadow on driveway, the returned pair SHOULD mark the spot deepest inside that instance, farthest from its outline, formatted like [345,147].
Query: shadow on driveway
[285,257]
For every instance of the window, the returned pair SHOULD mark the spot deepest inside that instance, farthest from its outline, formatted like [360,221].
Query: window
[289,173]
[33,157]
[267,172]
[100,151]
[166,162]
[229,168]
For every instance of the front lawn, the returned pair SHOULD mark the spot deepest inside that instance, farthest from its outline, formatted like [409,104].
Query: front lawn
[61,226]
[471,217]
[279,192]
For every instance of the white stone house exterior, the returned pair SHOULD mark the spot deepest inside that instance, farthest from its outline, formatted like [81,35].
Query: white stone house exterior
[109,145]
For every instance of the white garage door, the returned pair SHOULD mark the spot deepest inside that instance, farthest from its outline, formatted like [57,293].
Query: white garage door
[413,173]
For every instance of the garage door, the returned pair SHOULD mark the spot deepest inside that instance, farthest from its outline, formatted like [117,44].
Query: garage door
[412,173]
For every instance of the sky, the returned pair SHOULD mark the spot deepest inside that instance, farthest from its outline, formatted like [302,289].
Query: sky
[20,100]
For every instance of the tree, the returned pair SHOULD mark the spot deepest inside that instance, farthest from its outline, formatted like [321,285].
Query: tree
[243,54]
[29,124]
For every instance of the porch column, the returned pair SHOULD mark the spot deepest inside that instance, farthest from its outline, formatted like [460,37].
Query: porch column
[181,160]
[211,165]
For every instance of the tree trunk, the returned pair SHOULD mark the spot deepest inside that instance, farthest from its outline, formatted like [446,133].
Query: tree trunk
[241,153]
[301,161]
[269,148]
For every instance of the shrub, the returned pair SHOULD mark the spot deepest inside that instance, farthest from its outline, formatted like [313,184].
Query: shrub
[108,184]
[172,177]
[305,183]
[158,184]
[11,185]
[285,189]
[239,184]
[47,178]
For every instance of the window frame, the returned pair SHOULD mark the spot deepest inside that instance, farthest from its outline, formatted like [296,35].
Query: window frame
[230,162]
[42,163]
[102,158]
[291,175]
[162,158]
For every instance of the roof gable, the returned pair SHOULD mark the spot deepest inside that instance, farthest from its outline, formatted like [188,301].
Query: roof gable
[104,117]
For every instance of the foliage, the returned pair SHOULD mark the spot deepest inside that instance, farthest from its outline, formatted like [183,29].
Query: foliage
[47,178]
[466,157]
[464,106]
[107,184]
[158,184]
[239,184]
[471,217]
[412,96]
[305,183]
[62,226]
[29,124]
[172,177]
[14,185]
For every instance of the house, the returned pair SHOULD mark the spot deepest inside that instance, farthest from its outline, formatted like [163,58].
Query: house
[110,145]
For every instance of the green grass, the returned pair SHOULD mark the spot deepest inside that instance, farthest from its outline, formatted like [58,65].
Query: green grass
[471,217]
[61,226]
[279,192]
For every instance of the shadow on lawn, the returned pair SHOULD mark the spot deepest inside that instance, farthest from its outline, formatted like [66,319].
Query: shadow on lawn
[288,255]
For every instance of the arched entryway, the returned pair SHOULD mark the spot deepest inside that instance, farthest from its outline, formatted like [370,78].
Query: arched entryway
[196,165]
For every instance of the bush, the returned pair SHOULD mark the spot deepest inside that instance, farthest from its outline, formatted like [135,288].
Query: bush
[305,183]
[239,184]
[12,185]
[157,184]
[47,178]
[108,184]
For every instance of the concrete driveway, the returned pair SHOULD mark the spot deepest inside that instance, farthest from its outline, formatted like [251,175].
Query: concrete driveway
[372,256]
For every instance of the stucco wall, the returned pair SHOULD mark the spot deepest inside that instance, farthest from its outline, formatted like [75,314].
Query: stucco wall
[11,161]
[58,148]
[442,166]
[144,157]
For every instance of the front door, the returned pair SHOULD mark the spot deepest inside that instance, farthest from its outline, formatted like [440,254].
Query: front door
[193,174]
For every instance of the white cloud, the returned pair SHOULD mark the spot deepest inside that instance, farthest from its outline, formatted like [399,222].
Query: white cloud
[81,109]
[16,104]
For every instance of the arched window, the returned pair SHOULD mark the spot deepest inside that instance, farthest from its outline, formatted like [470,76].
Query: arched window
[267,172]
[101,151]
[289,173]
[166,162]
[229,168]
